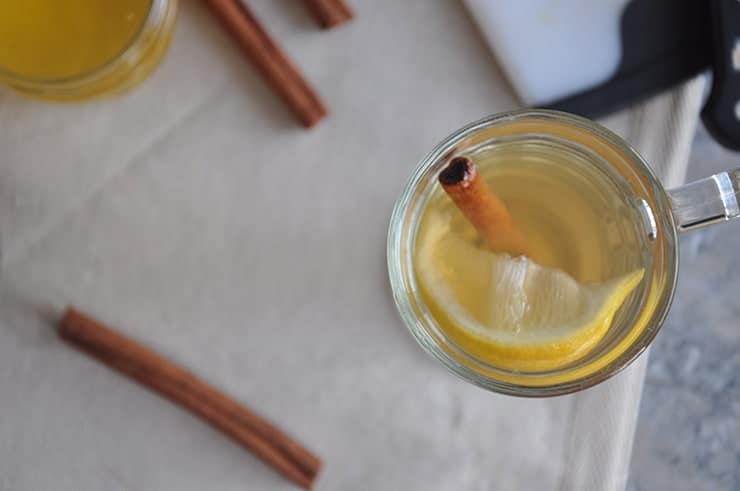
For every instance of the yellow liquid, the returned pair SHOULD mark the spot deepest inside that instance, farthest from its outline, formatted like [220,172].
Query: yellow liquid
[61,39]
[574,216]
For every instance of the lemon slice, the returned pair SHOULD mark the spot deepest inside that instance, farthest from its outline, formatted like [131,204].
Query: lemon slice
[512,312]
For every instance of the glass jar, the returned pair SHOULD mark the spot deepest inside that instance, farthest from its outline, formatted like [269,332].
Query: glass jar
[657,216]
[134,63]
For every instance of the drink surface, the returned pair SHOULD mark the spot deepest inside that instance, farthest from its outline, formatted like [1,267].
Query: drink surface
[585,259]
[60,39]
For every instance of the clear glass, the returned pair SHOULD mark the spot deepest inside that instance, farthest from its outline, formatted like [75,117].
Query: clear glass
[132,66]
[706,201]
[598,152]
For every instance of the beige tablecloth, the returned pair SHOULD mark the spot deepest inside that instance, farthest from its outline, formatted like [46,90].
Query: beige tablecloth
[197,217]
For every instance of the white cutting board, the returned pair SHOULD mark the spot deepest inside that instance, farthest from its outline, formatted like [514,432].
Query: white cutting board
[551,49]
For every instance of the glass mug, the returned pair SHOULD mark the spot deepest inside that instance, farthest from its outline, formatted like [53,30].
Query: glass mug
[651,222]
[82,49]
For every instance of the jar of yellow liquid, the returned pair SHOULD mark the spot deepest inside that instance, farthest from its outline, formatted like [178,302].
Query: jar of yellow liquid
[79,49]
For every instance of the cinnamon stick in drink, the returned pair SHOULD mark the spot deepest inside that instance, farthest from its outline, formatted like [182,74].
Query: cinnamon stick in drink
[266,441]
[480,205]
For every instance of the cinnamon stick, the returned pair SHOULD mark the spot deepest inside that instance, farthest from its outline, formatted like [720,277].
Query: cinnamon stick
[272,62]
[480,205]
[329,13]
[267,442]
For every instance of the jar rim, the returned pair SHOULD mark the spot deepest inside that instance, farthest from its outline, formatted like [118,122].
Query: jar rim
[400,267]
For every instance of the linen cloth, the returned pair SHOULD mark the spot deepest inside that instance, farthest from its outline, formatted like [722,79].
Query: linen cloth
[194,215]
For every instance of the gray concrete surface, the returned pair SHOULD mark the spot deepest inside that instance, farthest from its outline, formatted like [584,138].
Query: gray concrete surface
[688,434]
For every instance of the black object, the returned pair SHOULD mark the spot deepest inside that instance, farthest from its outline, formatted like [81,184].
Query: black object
[665,42]
[721,114]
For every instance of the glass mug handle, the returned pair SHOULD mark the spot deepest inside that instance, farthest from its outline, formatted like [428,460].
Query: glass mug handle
[707,201]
